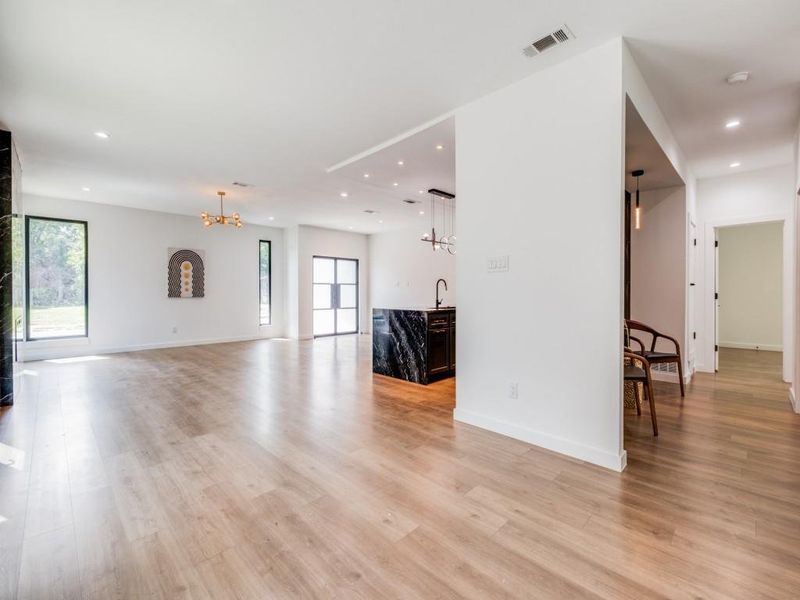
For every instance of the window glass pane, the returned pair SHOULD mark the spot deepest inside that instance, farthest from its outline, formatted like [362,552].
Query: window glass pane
[323,322]
[322,295]
[263,283]
[57,278]
[346,272]
[323,270]
[347,296]
[346,320]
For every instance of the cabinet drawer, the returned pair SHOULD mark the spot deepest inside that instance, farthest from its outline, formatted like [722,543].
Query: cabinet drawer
[438,320]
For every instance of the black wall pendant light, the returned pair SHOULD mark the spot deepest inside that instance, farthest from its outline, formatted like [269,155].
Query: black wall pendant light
[637,214]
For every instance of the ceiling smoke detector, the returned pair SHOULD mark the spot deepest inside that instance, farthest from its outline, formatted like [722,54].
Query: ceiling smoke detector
[559,36]
[738,77]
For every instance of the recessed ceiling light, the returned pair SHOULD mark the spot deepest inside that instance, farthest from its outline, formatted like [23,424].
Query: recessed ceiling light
[379,221]
[343,194]
[400,163]
[733,165]
[439,147]
[395,184]
[738,77]
[272,218]
[86,189]
[733,123]
[103,135]
[422,212]
[421,192]
[349,226]
[366,175]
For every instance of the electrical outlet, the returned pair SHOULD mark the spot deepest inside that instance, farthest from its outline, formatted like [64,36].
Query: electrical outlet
[513,391]
[174,329]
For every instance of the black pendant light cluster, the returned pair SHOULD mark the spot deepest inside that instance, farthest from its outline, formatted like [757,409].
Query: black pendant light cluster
[637,214]
[447,241]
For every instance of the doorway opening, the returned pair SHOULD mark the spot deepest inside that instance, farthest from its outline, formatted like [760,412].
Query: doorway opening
[748,299]
[335,296]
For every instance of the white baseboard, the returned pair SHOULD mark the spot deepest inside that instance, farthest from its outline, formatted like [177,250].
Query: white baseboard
[749,346]
[49,351]
[793,400]
[609,460]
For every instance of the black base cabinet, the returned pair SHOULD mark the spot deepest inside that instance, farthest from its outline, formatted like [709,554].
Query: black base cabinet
[415,345]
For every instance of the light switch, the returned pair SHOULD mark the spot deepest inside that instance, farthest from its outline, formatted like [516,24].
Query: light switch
[497,264]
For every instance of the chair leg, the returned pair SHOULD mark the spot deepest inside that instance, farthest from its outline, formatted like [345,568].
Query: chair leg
[637,398]
[651,398]
[680,373]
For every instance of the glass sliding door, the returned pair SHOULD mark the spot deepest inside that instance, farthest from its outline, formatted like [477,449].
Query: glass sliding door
[335,295]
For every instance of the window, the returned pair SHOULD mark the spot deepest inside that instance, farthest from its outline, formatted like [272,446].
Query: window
[264,282]
[56,303]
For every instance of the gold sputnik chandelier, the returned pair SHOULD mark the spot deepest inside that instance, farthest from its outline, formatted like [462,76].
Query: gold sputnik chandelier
[221,218]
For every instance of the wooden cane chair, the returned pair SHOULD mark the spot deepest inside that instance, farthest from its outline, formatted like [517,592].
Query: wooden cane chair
[652,355]
[640,374]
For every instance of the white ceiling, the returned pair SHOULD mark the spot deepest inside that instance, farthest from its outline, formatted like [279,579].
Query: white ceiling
[197,95]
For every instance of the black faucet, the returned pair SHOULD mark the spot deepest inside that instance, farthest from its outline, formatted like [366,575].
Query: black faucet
[438,281]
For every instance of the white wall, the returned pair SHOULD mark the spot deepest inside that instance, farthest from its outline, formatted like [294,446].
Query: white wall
[305,242]
[646,105]
[403,271]
[128,304]
[657,266]
[794,396]
[539,176]
[751,286]
[748,197]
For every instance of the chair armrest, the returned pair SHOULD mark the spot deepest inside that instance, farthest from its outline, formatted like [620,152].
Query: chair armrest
[639,357]
[638,341]
[637,326]
[669,338]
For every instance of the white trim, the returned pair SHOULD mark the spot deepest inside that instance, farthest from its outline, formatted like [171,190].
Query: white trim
[609,460]
[29,354]
[751,346]
[391,141]
[793,400]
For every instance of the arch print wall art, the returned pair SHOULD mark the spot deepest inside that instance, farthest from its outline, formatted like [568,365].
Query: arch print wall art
[185,273]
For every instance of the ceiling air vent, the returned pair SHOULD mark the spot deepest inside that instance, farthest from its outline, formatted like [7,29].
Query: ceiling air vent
[410,201]
[369,211]
[242,184]
[559,36]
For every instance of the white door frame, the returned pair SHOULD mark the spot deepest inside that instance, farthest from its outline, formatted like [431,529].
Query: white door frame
[708,302]
[691,298]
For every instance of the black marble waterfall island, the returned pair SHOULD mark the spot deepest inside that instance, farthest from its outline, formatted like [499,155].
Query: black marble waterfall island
[418,345]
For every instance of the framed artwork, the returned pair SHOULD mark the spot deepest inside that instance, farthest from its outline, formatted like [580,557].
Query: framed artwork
[185,273]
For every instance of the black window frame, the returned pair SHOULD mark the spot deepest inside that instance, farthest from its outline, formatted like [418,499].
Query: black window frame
[85,224]
[357,307]
[269,315]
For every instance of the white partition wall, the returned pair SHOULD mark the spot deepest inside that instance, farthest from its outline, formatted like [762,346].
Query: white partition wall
[539,179]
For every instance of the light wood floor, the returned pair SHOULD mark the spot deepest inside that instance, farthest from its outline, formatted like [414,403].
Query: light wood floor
[279,469]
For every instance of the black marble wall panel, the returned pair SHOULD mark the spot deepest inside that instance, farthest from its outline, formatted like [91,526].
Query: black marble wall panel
[399,338]
[6,269]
